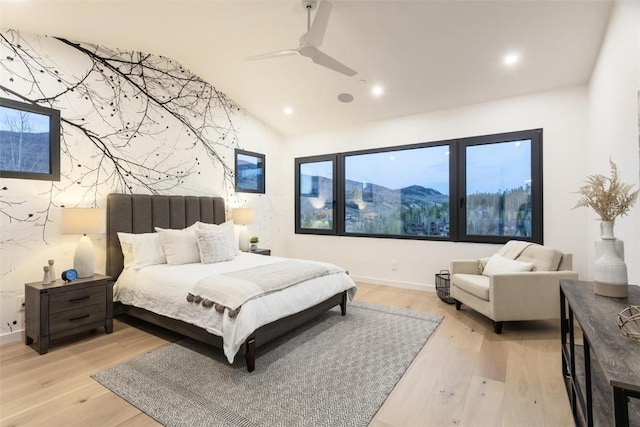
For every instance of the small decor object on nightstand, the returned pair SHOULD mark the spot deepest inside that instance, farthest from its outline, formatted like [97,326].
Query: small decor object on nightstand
[254,243]
[46,279]
[69,275]
[52,271]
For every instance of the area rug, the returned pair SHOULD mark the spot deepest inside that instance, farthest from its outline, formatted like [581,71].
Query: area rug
[333,371]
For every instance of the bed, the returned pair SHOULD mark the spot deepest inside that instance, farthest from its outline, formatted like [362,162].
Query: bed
[157,294]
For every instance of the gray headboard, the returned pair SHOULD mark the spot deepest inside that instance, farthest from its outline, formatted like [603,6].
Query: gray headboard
[138,213]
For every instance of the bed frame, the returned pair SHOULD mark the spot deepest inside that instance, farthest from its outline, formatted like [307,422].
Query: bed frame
[140,214]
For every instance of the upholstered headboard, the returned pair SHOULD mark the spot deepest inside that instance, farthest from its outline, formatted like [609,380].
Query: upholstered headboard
[137,213]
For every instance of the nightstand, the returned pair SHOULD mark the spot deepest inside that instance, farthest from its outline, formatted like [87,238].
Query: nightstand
[261,251]
[64,308]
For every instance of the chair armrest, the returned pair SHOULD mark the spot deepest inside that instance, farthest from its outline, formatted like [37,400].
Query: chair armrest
[464,266]
[528,295]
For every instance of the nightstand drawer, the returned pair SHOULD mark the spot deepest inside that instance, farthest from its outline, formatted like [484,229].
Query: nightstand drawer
[77,317]
[64,301]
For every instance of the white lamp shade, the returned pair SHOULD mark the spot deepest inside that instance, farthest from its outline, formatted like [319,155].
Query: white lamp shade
[83,221]
[84,260]
[243,216]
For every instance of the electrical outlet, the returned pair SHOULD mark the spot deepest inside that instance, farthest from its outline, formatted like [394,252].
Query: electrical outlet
[394,264]
[20,302]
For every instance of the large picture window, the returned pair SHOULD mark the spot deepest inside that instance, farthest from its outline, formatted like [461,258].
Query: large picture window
[480,189]
[397,192]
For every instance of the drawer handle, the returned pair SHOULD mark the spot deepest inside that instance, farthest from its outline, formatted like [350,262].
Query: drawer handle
[79,299]
[73,319]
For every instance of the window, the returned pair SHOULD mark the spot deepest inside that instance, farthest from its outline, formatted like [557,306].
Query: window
[250,171]
[29,141]
[479,189]
[502,188]
[400,192]
[315,190]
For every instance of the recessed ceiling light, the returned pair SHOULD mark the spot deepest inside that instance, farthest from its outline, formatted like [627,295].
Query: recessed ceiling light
[345,97]
[511,59]
[288,111]
[377,90]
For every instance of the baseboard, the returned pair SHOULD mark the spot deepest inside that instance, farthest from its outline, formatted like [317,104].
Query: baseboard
[395,283]
[11,337]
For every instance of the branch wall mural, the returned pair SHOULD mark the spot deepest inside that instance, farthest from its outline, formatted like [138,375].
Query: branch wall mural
[130,122]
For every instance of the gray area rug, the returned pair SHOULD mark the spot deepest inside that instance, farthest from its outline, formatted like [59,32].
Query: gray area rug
[333,371]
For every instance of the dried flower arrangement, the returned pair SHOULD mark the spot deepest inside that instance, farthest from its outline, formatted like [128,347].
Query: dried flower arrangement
[607,196]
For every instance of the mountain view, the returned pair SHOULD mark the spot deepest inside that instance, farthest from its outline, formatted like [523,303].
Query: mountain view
[249,177]
[415,210]
[24,152]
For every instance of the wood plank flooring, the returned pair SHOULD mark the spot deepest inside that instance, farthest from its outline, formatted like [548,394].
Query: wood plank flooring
[464,376]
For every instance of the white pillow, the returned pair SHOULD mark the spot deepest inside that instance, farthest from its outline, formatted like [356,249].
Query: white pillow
[227,227]
[214,246]
[499,264]
[180,246]
[141,250]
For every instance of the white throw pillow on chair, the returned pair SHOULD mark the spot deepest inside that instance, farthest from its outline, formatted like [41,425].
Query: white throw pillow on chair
[499,264]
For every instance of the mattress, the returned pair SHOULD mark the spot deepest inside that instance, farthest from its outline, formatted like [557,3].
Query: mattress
[162,289]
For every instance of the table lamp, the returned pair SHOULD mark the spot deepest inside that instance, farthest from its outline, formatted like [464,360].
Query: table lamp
[83,221]
[243,216]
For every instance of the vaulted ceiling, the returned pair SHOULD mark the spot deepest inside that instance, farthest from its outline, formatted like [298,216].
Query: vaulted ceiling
[427,55]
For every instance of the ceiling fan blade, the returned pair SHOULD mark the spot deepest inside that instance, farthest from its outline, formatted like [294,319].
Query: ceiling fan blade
[325,60]
[315,35]
[277,54]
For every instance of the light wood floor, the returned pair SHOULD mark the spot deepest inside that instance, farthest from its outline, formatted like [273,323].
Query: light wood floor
[464,376]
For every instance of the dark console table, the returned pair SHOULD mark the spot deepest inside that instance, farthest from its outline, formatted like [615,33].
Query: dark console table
[601,367]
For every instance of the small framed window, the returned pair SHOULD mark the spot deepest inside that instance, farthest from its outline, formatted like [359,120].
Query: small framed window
[250,172]
[29,141]
[315,180]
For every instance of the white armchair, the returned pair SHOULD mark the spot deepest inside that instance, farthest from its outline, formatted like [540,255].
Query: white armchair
[503,294]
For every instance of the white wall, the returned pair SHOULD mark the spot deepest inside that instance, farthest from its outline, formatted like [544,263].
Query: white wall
[614,98]
[30,210]
[563,116]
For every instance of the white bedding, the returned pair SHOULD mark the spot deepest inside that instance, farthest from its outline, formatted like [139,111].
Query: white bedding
[162,289]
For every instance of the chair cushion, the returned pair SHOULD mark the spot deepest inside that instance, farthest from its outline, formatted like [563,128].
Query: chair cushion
[475,284]
[543,258]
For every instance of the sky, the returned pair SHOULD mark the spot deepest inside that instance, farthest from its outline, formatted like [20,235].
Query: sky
[490,167]
[38,122]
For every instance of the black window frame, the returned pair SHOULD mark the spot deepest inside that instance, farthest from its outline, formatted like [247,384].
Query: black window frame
[54,141]
[316,159]
[457,188]
[535,136]
[261,183]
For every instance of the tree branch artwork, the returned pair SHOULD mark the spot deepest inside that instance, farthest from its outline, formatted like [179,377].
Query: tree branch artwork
[131,121]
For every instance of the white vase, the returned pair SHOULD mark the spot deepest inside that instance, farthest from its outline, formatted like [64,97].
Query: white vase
[610,270]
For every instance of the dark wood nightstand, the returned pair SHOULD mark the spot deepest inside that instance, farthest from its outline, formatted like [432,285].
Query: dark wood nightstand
[261,251]
[64,308]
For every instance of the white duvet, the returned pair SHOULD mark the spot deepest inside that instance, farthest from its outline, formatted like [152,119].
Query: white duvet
[163,288]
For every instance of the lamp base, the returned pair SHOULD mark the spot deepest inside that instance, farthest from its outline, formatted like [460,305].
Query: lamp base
[84,260]
[244,239]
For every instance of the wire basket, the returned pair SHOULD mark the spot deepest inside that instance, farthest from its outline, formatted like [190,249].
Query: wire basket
[442,286]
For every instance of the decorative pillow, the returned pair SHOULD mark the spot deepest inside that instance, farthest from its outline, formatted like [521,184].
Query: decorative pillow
[227,227]
[499,264]
[215,246]
[180,246]
[482,263]
[543,258]
[141,250]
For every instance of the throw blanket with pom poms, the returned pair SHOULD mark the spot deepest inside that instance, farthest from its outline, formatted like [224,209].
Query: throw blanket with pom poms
[230,290]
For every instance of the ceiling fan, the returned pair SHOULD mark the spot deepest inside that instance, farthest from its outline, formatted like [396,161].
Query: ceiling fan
[312,40]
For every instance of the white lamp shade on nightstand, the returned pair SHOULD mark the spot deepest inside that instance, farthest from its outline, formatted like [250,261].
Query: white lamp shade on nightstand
[243,216]
[83,221]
